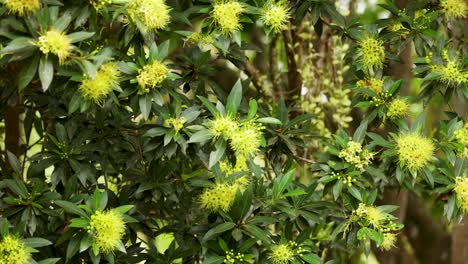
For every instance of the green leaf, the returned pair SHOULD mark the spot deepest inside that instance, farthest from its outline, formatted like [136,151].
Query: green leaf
[282,182]
[74,103]
[252,108]
[360,133]
[296,192]
[14,163]
[258,233]
[145,103]
[79,223]
[28,72]
[217,154]
[200,136]
[215,231]
[123,209]
[208,105]
[155,132]
[49,261]
[355,192]
[46,72]
[311,258]
[270,120]
[80,36]
[17,187]
[234,98]
[72,248]
[19,45]
[36,242]
[71,208]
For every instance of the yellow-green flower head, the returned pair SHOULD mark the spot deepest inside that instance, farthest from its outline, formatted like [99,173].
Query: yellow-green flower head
[232,257]
[57,43]
[451,73]
[223,125]
[13,251]
[275,16]
[373,84]
[398,108]
[98,4]
[354,154]
[461,189]
[22,7]
[152,75]
[219,197]
[389,240]
[226,15]
[454,8]
[414,151]
[154,14]
[246,141]
[106,79]
[372,52]
[370,214]
[108,228]
[461,135]
[281,254]
[176,123]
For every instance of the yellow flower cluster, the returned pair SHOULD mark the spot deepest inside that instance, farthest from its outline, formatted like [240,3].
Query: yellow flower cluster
[461,135]
[354,154]
[285,253]
[108,229]
[454,8]
[223,125]
[106,79]
[154,14]
[13,251]
[370,214]
[232,257]
[57,43]
[176,123]
[373,84]
[226,14]
[372,52]
[346,179]
[398,108]
[461,189]
[414,151]
[201,38]
[152,75]
[275,16]
[246,141]
[389,240]
[98,4]
[22,7]
[219,197]
[451,73]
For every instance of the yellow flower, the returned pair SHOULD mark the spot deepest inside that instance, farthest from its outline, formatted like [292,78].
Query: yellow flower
[13,251]
[154,14]
[461,189]
[371,214]
[152,75]
[414,151]
[106,79]
[373,84]
[107,229]
[354,154]
[454,8]
[372,52]
[389,240]
[397,109]
[219,197]
[57,43]
[232,257]
[21,7]
[275,16]
[98,4]
[461,135]
[227,16]
[246,141]
[451,73]
[176,123]
[222,126]
[281,254]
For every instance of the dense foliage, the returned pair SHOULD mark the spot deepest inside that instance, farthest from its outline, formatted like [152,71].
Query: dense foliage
[226,131]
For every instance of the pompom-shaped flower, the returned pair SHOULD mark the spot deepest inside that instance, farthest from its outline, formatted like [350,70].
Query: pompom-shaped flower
[461,189]
[373,84]
[223,126]
[219,197]
[226,14]
[451,72]
[246,141]
[106,79]
[154,14]
[397,109]
[461,135]
[370,214]
[281,254]
[388,241]
[414,151]
[107,229]
[454,8]
[152,75]
[275,16]
[57,43]
[372,52]
[22,7]
[13,251]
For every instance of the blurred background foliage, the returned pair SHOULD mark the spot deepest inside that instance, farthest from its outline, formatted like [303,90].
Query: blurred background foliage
[232,131]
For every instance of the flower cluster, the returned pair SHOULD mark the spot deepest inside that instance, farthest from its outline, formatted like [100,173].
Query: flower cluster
[98,4]
[354,154]
[461,189]
[346,179]
[389,240]
[275,16]
[232,257]
[454,8]
[107,228]
[13,251]
[285,253]
[414,151]
[223,125]
[451,73]
[398,108]
[152,75]
[372,52]
[57,43]
[461,135]
[22,7]
[154,14]
[219,197]
[106,79]
[372,84]
[227,16]
[246,141]
[176,123]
